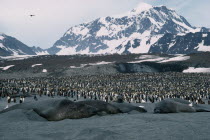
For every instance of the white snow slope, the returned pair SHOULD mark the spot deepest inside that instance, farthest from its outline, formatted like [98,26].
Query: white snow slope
[197,70]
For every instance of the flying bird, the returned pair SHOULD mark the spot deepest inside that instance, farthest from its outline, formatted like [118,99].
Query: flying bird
[32,15]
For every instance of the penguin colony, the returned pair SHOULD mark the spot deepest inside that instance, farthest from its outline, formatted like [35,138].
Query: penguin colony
[132,88]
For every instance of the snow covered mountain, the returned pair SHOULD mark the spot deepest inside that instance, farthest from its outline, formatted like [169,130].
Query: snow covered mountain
[186,44]
[39,51]
[11,46]
[133,32]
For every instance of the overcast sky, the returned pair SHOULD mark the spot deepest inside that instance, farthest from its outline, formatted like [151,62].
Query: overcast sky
[54,17]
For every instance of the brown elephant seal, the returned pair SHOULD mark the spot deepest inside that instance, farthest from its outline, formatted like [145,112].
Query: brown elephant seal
[67,109]
[101,106]
[178,105]
[126,107]
[60,109]
[55,110]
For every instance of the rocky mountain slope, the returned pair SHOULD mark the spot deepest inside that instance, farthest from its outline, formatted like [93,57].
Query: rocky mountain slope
[133,32]
[11,46]
[186,44]
[39,51]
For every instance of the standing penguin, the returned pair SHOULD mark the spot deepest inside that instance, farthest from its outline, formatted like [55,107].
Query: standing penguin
[35,98]
[14,100]
[8,99]
[21,100]
[106,99]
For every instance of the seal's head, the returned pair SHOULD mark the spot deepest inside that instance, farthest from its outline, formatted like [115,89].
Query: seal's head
[158,110]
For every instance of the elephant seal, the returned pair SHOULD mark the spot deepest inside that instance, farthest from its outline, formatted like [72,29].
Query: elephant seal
[101,106]
[60,109]
[178,105]
[56,110]
[126,107]
[67,109]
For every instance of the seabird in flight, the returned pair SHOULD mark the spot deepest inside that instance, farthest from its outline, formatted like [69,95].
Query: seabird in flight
[32,15]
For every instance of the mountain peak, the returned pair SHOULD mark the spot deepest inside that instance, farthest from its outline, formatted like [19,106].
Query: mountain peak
[132,32]
[2,34]
[141,7]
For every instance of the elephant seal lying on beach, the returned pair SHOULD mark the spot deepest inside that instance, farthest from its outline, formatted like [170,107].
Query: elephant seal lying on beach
[127,108]
[178,105]
[101,106]
[55,110]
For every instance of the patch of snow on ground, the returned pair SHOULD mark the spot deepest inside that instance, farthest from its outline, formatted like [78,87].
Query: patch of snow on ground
[7,67]
[178,58]
[91,64]
[102,32]
[44,70]
[149,60]
[42,53]
[17,57]
[2,46]
[205,35]
[184,26]
[100,63]
[81,66]
[144,45]
[85,51]
[172,44]
[109,28]
[36,65]
[66,50]
[15,53]
[80,30]
[74,67]
[1,37]
[202,47]
[153,58]
[146,57]
[197,70]
[113,44]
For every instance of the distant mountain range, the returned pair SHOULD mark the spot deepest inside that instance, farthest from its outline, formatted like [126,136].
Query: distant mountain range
[11,46]
[145,29]
[39,51]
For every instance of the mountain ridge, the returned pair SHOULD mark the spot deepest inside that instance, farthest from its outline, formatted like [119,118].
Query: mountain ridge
[111,34]
[11,46]
[144,29]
